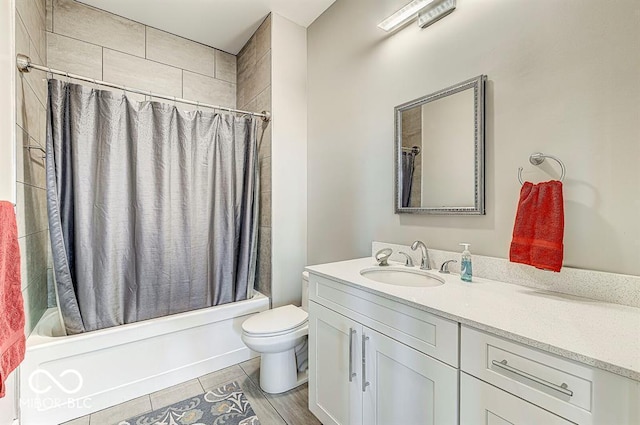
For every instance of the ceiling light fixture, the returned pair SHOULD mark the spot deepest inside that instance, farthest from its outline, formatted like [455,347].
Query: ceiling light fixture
[414,9]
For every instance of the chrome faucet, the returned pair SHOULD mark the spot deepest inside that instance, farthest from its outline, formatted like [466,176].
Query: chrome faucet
[425,263]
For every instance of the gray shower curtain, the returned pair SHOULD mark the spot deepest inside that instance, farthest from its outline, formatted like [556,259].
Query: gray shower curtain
[408,165]
[152,211]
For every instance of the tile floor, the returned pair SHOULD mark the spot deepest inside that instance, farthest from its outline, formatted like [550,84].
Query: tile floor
[288,408]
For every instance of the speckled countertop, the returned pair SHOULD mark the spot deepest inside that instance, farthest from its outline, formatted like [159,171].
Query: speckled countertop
[600,334]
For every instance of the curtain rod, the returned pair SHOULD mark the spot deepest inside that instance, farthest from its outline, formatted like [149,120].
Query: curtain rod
[24,65]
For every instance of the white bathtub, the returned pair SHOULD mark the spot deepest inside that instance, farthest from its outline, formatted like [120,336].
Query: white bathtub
[65,377]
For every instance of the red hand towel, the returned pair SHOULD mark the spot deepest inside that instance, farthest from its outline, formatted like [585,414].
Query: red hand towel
[12,339]
[539,228]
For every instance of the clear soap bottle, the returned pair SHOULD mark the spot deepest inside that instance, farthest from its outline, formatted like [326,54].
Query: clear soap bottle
[466,272]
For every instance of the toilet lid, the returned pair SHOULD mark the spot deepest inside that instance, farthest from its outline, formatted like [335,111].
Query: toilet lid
[278,320]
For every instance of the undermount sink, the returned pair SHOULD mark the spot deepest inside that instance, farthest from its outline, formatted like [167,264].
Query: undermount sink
[401,276]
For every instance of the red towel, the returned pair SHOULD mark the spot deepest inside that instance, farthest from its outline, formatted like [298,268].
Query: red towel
[12,339]
[539,228]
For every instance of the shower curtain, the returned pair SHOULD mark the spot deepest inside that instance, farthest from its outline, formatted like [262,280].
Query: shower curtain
[408,160]
[152,211]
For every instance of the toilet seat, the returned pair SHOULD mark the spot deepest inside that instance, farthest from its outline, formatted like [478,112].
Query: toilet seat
[275,322]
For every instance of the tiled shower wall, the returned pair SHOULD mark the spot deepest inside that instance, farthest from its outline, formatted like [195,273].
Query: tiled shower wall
[101,45]
[254,94]
[31,94]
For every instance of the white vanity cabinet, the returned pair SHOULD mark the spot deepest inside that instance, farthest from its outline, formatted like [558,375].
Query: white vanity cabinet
[361,373]
[484,404]
[545,385]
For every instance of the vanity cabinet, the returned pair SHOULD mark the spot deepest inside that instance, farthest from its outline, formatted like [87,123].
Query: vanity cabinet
[374,360]
[542,382]
[359,374]
[484,404]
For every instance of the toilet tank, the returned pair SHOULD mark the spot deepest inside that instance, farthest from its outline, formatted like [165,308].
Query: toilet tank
[305,291]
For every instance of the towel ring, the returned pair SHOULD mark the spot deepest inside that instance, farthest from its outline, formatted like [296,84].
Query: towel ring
[537,159]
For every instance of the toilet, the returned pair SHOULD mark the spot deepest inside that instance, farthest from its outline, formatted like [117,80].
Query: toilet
[277,335]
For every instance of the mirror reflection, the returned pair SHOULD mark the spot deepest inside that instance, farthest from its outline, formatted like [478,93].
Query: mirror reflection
[440,151]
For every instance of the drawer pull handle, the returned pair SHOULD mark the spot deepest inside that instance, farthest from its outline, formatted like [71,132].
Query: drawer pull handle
[563,388]
[352,374]
[365,383]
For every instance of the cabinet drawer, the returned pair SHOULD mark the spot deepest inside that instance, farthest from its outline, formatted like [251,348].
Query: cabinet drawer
[569,389]
[423,331]
[484,404]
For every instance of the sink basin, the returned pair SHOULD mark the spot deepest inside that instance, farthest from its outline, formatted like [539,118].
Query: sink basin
[402,276]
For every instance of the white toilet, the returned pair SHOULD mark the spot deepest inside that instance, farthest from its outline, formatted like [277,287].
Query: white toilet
[275,334]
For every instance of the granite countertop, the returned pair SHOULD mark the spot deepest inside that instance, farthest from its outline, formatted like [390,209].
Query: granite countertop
[600,334]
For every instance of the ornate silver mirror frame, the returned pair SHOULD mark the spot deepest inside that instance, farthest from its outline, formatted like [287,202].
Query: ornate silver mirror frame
[478,207]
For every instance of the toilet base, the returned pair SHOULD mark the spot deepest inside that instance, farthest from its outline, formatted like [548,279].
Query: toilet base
[278,372]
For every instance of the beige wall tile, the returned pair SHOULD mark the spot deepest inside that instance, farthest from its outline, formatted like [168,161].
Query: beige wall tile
[33,259]
[30,164]
[245,86]
[85,23]
[263,37]
[264,143]
[27,106]
[37,79]
[262,75]
[263,100]
[74,56]
[22,36]
[265,209]
[33,21]
[31,210]
[131,71]
[265,174]
[264,261]
[247,56]
[180,52]
[209,90]
[49,15]
[226,66]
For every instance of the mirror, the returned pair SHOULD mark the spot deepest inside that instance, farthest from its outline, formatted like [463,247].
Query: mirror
[439,151]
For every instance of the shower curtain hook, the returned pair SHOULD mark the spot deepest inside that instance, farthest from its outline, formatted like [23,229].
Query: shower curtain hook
[68,79]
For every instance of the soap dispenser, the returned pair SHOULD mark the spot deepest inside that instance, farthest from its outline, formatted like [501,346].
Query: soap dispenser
[466,272]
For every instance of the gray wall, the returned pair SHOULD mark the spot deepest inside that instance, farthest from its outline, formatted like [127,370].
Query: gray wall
[254,94]
[563,79]
[31,93]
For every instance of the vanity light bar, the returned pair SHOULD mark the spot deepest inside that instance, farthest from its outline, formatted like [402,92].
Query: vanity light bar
[435,12]
[404,15]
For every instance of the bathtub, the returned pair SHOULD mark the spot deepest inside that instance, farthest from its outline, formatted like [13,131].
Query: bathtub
[66,377]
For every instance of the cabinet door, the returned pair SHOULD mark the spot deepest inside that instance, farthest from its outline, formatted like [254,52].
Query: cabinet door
[334,373]
[484,404]
[405,386]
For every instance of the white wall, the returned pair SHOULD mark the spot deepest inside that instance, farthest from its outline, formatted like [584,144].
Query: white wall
[563,79]
[7,154]
[289,159]
[7,101]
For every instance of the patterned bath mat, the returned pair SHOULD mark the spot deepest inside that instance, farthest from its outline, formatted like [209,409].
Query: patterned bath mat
[226,405]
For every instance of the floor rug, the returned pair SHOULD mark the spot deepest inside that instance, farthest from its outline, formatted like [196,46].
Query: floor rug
[226,405]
